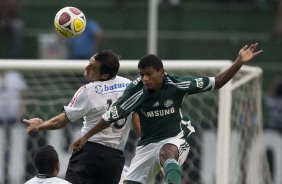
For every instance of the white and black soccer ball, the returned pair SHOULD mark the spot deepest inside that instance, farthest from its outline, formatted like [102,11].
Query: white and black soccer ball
[70,22]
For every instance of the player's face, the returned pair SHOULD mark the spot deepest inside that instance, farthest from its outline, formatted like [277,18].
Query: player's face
[92,70]
[152,78]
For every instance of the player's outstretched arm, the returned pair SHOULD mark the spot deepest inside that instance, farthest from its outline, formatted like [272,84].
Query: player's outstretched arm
[79,143]
[246,54]
[37,124]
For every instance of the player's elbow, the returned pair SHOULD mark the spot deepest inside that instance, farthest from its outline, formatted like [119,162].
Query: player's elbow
[218,85]
[63,124]
[60,121]
[219,82]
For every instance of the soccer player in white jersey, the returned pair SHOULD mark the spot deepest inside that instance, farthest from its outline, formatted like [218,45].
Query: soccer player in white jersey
[101,160]
[47,164]
[157,98]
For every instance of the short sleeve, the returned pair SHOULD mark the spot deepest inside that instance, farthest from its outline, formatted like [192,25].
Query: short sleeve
[197,84]
[79,105]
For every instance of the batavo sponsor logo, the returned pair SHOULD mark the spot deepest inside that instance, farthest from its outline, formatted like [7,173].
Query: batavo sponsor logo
[108,88]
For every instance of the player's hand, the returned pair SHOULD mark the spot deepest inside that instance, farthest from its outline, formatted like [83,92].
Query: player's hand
[78,144]
[34,124]
[248,52]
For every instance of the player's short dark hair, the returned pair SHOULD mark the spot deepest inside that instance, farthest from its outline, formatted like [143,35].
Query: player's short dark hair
[45,159]
[110,62]
[151,60]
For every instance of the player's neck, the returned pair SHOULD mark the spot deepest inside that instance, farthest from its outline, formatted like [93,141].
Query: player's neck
[44,176]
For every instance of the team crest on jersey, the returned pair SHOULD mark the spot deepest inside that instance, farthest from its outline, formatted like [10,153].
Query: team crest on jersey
[168,103]
[199,83]
[99,89]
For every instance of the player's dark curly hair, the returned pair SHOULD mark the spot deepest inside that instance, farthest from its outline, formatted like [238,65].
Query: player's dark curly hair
[110,62]
[45,160]
[150,60]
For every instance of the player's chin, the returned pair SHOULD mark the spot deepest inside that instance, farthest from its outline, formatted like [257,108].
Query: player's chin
[148,88]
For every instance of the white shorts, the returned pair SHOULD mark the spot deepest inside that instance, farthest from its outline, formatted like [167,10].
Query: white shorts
[123,174]
[145,164]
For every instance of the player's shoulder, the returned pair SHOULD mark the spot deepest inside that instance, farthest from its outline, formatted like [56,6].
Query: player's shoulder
[53,180]
[173,78]
[60,181]
[117,83]
[123,79]
[83,88]
[31,181]
[135,85]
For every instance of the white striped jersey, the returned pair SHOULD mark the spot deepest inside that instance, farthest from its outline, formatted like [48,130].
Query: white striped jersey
[91,101]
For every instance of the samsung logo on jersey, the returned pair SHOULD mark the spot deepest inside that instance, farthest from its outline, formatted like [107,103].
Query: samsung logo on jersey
[156,113]
[108,88]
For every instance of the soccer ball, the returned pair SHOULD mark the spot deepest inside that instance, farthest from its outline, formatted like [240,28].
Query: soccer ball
[70,22]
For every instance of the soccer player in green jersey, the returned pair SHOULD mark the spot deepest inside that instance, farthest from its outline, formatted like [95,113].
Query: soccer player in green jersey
[157,98]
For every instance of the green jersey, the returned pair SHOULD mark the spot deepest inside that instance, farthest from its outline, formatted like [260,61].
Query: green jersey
[159,112]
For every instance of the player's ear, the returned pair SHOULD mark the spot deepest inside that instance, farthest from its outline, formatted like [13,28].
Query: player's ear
[57,169]
[162,71]
[105,76]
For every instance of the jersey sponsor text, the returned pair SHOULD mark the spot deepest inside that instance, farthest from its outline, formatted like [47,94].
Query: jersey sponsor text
[114,86]
[156,113]
[109,88]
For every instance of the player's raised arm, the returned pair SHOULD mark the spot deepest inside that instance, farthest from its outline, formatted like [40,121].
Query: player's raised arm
[246,54]
[37,124]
